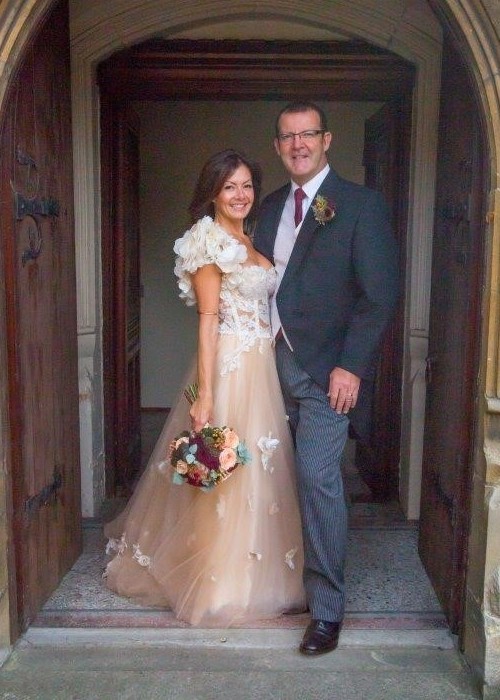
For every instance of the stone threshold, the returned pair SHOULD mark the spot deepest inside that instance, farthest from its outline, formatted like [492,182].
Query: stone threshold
[267,639]
[160,619]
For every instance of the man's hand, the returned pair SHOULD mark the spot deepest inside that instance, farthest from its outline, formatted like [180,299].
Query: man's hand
[343,390]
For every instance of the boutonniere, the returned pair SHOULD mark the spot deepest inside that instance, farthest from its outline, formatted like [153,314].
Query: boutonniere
[324,211]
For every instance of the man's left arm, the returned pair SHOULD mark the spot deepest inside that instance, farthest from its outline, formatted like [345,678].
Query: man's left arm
[375,267]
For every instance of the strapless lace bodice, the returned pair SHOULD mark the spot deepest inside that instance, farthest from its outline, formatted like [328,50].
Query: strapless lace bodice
[245,289]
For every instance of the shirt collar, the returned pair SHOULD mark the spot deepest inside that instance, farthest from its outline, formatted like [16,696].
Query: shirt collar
[313,185]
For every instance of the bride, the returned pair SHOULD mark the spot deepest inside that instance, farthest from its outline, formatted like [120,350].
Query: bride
[234,554]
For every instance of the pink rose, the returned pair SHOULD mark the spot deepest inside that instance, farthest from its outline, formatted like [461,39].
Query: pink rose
[180,441]
[181,467]
[227,459]
[230,438]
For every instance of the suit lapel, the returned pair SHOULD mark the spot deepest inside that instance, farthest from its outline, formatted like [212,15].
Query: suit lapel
[309,227]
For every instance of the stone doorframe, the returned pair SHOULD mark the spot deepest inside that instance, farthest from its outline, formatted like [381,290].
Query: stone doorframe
[409,29]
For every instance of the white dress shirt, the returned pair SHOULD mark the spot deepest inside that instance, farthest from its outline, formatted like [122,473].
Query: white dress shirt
[287,235]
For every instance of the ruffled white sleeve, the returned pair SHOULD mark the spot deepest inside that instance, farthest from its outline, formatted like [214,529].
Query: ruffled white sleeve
[205,243]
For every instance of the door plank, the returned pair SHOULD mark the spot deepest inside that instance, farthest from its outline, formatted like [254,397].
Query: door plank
[457,273]
[386,160]
[122,301]
[38,243]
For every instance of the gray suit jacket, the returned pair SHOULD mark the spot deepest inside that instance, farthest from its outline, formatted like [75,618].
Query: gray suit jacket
[340,287]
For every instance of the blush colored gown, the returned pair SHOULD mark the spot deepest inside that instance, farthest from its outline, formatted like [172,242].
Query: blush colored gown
[232,555]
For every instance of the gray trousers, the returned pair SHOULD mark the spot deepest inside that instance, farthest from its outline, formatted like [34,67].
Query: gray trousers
[320,435]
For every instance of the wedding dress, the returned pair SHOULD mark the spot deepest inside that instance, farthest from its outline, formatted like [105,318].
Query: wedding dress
[231,555]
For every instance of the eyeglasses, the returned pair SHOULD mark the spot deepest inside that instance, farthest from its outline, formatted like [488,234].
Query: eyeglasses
[308,135]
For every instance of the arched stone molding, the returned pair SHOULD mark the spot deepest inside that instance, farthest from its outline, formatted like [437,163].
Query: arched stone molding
[18,18]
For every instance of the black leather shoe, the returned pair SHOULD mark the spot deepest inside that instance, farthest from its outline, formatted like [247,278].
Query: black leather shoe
[320,636]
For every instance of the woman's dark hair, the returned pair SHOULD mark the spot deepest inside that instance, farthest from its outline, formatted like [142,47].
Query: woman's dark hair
[298,108]
[216,171]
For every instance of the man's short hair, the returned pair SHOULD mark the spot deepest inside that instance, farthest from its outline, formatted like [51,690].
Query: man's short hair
[297,108]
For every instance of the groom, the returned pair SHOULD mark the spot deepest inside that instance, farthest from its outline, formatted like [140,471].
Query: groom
[331,243]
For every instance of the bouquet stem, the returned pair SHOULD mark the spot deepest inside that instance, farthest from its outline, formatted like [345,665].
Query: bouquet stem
[191,392]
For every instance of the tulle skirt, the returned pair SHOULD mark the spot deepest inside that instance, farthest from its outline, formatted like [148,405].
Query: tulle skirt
[231,555]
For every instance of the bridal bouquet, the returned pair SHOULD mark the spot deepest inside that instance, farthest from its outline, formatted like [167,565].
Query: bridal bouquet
[207,457]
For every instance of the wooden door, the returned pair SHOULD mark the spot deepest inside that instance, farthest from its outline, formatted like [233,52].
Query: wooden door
[38,245]
[453,359]
[386,161]
[122,295]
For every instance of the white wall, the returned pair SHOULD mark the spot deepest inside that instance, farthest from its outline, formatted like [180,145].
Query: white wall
[176,139]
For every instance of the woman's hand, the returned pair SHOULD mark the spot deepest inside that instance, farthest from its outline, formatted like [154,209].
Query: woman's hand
[201,413]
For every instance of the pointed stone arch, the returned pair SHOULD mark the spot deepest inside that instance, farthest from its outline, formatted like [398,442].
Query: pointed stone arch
[405,27]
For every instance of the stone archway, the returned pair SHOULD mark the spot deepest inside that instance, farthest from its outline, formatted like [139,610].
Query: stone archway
[406,28]
[402,33]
